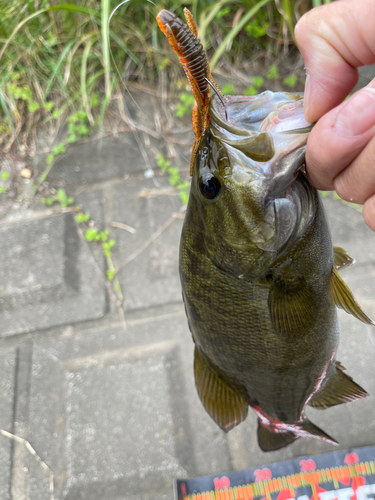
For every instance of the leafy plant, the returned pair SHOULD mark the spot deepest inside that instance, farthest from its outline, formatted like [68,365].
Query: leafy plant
[60,197]
[273,73]
[185,107]
[228,89]
[55,58]
[254,88]
[255,29]
[92,234]
[174,177]
[83,217]
[290,81]
[78,126]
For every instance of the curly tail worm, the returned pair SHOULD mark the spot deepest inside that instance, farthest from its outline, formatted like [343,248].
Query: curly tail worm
[183,38]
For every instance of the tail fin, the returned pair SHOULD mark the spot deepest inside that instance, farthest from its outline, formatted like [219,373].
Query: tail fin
[308,429]
[271,441]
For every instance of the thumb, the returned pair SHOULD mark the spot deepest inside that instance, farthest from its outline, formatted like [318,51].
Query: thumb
[334,39]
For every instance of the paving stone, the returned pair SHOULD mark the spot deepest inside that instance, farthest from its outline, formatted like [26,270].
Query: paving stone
[152,277]
[47,276]
[349,230]
[93,202]
[7,394]
[366,74]
[107,158]
[115,413]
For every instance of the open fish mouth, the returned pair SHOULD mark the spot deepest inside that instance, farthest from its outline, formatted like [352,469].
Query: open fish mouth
[264,127]
[272,111]
[265,138]
[269,129]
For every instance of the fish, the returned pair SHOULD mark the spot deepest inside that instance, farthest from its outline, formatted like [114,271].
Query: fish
[259,274]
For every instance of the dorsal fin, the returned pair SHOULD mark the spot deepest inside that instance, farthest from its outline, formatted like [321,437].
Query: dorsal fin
[341,258]
[344,298]
[221,402]
[339,389]
[291,306]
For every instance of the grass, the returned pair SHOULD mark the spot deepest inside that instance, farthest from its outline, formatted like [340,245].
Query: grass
[58,58]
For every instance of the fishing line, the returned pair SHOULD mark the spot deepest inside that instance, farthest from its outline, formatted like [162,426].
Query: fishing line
[219,96]
[149,172]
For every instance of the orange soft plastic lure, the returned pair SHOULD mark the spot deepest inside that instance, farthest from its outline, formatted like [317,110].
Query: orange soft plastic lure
[183,39]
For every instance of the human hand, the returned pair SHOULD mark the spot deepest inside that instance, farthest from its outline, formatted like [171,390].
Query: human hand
[335,40]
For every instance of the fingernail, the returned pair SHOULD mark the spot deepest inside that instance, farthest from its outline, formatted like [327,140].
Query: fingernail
[357,115]
[306,101]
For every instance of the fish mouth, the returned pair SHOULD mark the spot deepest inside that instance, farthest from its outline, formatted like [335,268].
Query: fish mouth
[269,130]
[276,112]
[265,137]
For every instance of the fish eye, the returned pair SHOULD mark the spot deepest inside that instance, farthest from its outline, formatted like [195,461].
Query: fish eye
[210,188]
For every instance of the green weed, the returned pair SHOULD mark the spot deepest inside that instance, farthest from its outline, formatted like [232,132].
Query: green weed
[228,89]
[185,106]
[60,197]
[78,126]
[4,177]
[56,58]
[273,73]
[254,88]
[174,178]
[290,81]
[91,233]
[256,30]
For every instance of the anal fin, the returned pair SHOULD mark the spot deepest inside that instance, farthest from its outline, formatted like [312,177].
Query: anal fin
[221,402]
[344,298]
[339,389]
[272,441]
[341,258]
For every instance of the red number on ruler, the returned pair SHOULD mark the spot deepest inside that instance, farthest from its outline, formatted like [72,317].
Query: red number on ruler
[262,474]
[221,483]
[307,465]
[351,458]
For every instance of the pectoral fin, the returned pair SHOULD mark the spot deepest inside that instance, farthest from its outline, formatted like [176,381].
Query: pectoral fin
[272,441]
[221,402]
[291,306]
[339,389]
[344,298]
[341,258]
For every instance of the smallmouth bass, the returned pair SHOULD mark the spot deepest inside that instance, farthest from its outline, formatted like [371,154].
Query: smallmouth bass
[258,271]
